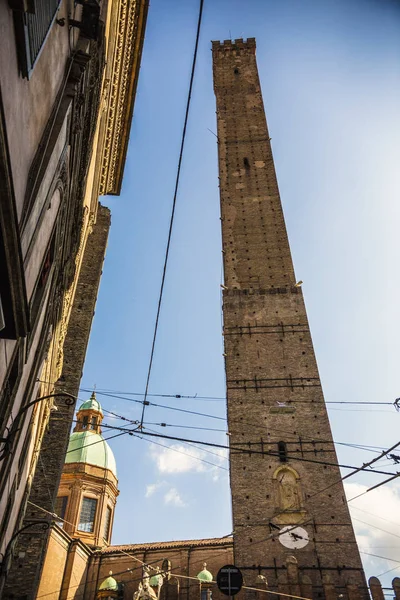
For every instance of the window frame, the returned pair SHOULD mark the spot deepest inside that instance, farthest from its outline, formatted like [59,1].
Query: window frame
[24,13]
[93,522]
[107,524]
[63,511]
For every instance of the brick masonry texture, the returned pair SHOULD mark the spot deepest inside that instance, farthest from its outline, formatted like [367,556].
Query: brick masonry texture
[47,476]
[273,387]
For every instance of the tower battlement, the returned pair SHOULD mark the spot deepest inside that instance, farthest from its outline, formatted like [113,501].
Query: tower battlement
[240,46]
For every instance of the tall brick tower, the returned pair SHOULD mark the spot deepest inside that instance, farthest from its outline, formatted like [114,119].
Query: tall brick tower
[288,475]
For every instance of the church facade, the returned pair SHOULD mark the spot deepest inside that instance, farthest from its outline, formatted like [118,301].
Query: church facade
[293,535]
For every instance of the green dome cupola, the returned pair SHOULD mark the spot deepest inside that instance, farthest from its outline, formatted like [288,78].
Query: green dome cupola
[109,584]
[86,444]
[88,488]
[205,576]
[91,448]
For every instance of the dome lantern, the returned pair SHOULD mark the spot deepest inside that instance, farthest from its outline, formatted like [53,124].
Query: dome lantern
[89,415]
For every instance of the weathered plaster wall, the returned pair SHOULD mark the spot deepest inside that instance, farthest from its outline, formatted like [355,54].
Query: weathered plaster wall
[28,104]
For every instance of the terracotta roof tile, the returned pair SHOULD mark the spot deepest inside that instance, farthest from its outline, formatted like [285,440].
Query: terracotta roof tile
[225,541]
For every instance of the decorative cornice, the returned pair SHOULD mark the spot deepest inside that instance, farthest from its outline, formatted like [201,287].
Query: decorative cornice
[119,91]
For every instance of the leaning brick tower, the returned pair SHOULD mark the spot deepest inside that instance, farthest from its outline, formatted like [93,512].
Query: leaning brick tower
[290,517]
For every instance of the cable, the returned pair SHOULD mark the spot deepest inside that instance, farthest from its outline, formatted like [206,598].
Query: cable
[181,452]
[268,453]
[196,413]
[197,448]
[373,515]
[176,396]
[375,527]
[383,557]
[52,514]
[374,487]
[241,450]
[385,572]
[221,398]
[274,535]
[360,469]
[173,208]
[135,422]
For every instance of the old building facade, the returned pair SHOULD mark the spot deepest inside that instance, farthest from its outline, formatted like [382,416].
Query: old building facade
[68,75]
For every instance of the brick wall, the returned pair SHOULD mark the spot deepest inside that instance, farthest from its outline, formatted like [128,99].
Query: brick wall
[186,559]
[273,387]
[23,577]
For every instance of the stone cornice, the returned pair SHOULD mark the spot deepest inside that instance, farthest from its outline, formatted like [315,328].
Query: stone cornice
[119,89]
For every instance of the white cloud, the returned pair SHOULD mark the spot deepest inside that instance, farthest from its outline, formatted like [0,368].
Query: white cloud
[376,520]
[151,488]
[173,497]
[178,459]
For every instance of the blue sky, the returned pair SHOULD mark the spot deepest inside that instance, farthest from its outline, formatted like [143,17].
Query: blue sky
[330,76]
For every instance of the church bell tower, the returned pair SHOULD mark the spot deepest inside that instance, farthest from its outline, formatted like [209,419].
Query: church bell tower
[288,501]
[88,490]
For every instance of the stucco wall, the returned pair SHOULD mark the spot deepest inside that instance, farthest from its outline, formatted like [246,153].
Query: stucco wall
[27,104]
[53,570]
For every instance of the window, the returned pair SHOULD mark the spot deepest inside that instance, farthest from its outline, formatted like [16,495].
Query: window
[88,511]
[7,513]
[107,524]
[85,422]
[282,451]
[93,423]
[206,594]
[40,289]
[60,508]
[10,386]
[32,27]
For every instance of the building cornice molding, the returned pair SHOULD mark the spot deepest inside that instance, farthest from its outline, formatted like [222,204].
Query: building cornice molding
[97,476]
[179,544]
[119,89]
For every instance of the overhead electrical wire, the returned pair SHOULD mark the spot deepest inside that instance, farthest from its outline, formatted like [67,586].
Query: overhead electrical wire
[181,452]
[374,515]
[274,535]
[173,208]
[222,398]
[236,450]
[200,414]
[271,536]
[376,527]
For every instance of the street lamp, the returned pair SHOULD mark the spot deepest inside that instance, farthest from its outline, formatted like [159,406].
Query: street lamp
[8,440]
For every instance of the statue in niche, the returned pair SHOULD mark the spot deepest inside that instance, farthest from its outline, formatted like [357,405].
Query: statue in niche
[289,493]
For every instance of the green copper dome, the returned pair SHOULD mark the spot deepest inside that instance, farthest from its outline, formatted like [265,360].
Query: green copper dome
[91,404]
[109,584]
[205,576]
[90,447]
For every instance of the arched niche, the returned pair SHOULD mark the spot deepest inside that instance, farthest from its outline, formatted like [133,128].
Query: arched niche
[288,489]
